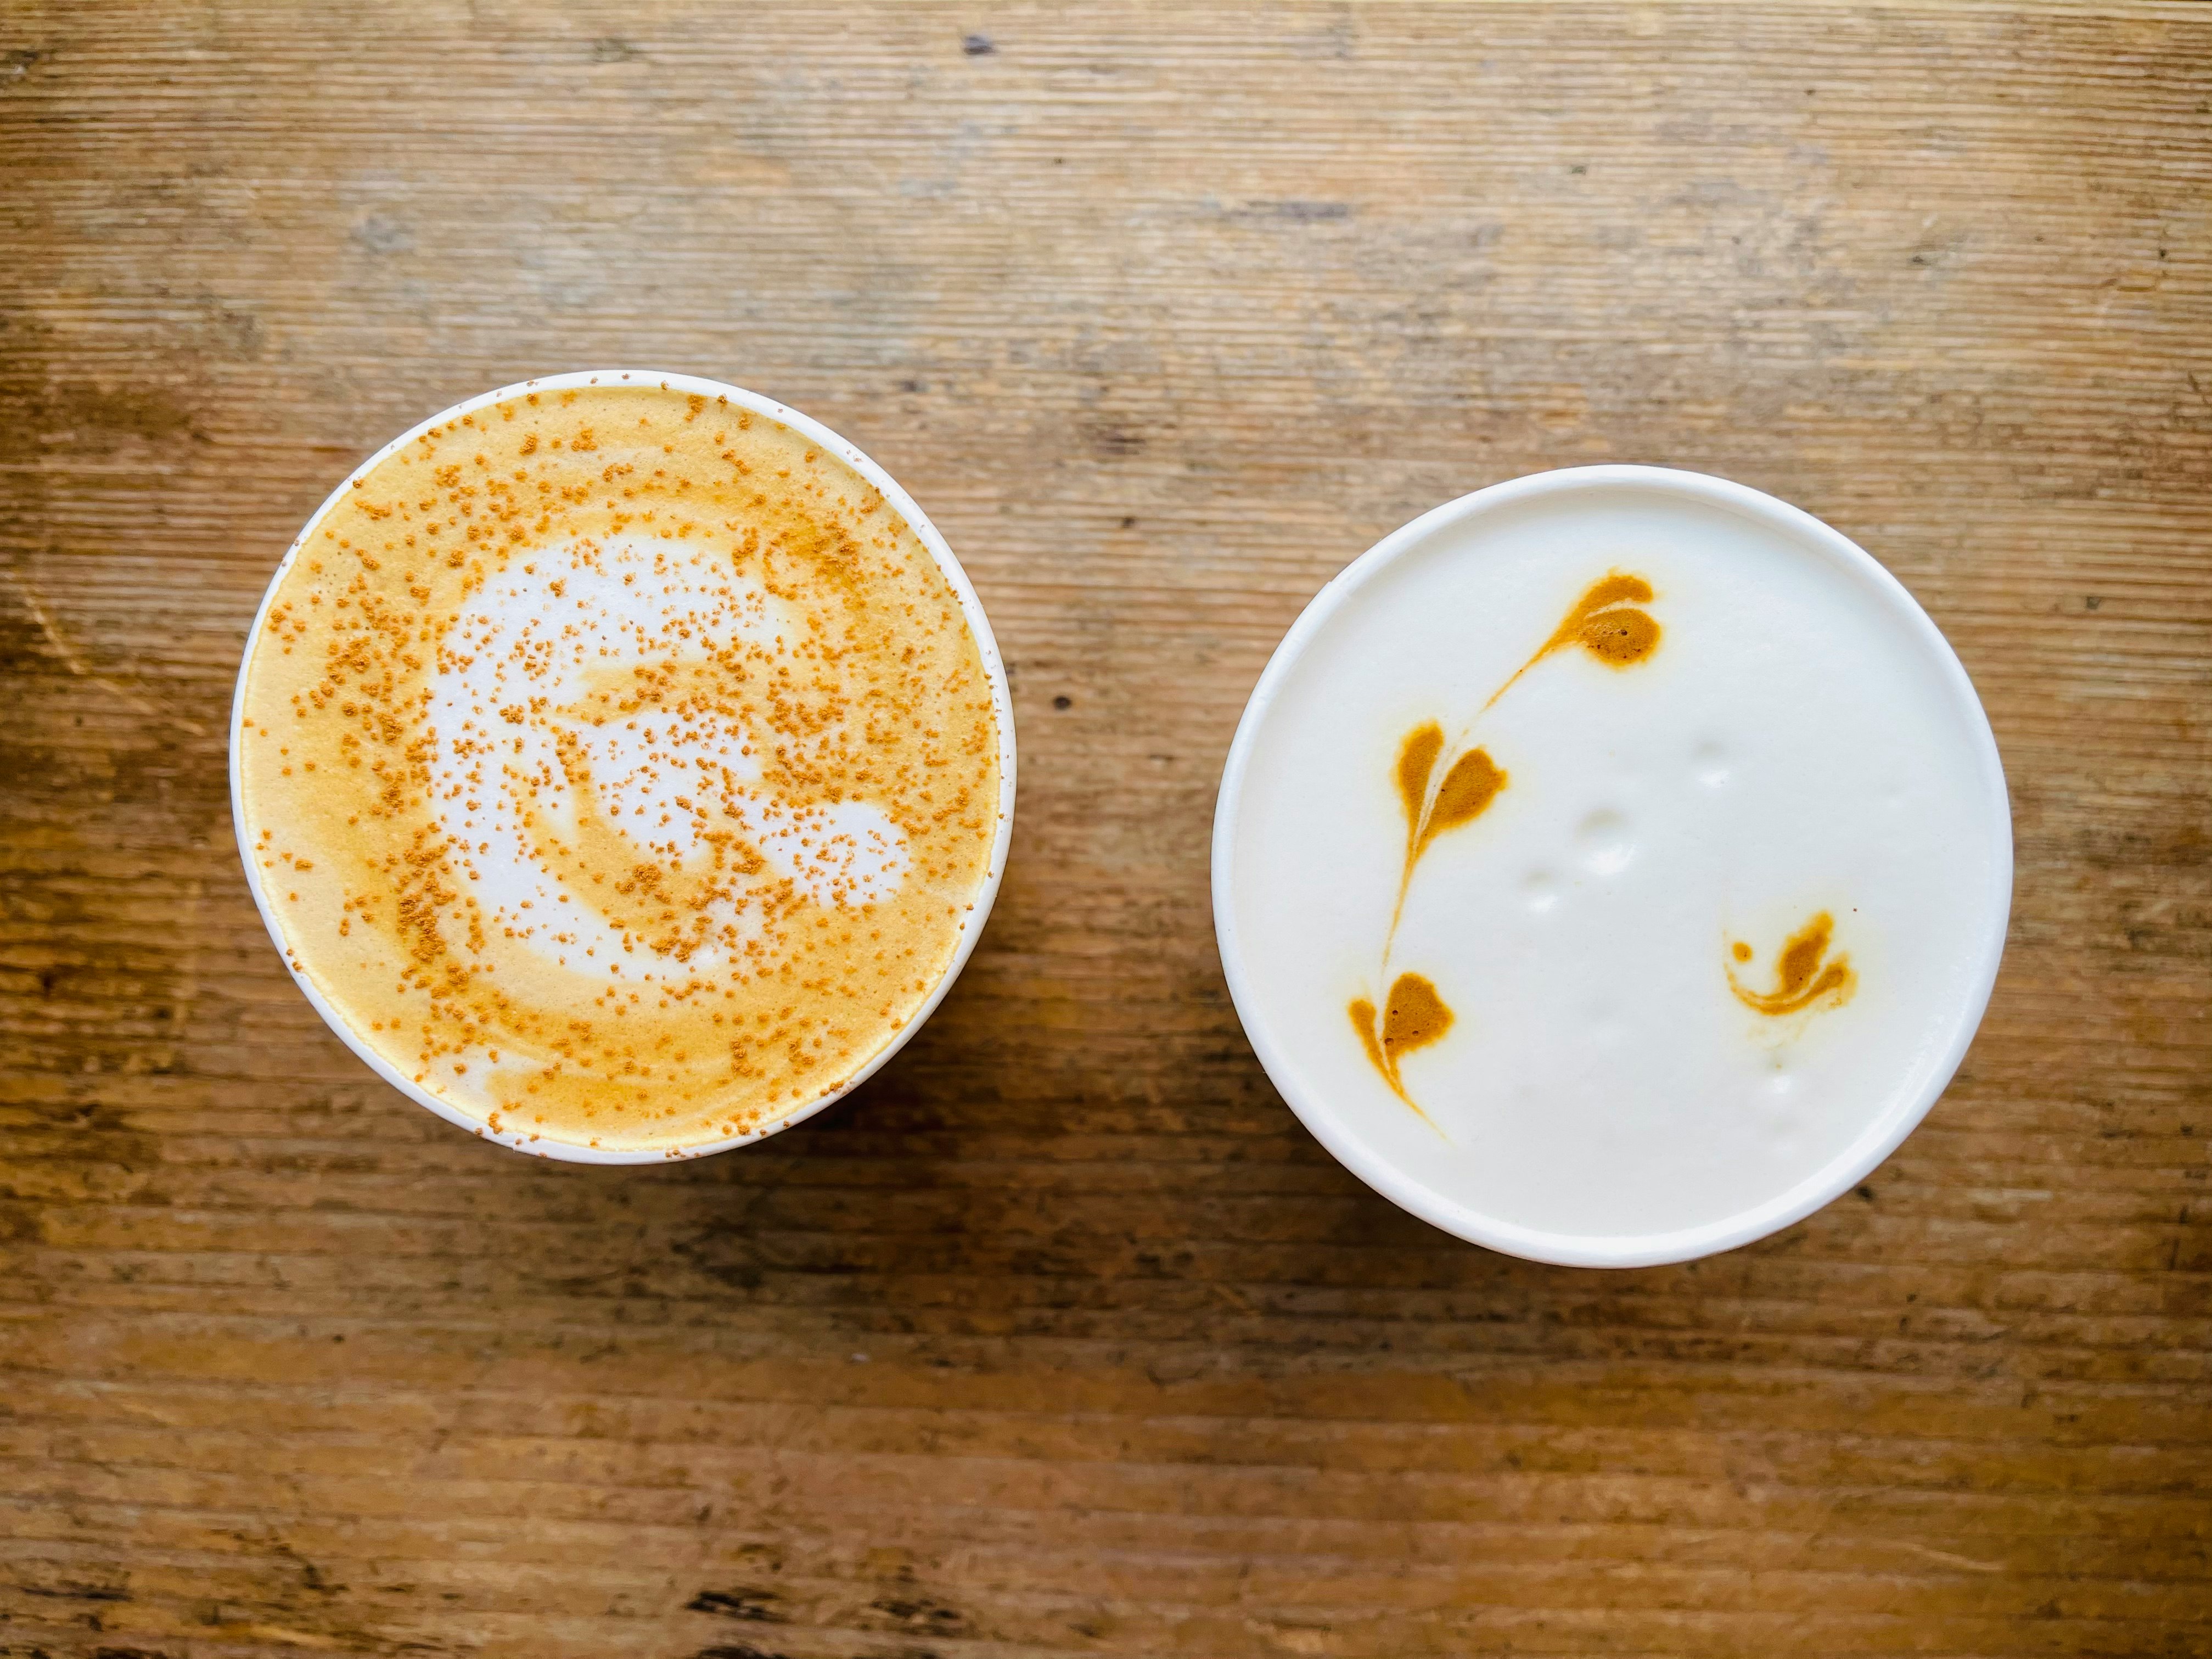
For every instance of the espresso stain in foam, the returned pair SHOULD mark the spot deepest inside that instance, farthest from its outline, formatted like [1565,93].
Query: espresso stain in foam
[1414,1018]
[1608,622]
[1805,975]
[825,643]
[1473,780]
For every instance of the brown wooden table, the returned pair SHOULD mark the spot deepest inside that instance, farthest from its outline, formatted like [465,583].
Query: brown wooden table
[1062,1337]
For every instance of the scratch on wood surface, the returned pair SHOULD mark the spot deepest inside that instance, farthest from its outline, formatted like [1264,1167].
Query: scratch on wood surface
[1945,1558]
[77,665]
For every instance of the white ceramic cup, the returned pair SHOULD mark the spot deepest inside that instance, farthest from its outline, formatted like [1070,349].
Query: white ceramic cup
[1296,1031]
[1001,704]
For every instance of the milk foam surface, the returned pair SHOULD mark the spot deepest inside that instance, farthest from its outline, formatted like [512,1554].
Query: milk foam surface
[1788,750]
[620,765]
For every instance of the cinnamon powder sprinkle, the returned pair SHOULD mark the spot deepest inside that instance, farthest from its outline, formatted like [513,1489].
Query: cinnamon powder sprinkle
[634,760]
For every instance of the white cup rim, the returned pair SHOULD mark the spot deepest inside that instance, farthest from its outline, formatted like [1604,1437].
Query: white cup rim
[1883,1134]
[1002,705]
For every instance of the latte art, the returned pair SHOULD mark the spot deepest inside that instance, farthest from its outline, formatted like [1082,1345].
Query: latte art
[1611,866]
[620,766]
[541,745]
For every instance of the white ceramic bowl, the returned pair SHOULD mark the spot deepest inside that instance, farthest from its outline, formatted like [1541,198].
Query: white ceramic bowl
[1001,702]
[1287,1015]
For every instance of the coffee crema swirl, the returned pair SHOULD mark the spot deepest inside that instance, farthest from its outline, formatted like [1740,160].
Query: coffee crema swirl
[620,765]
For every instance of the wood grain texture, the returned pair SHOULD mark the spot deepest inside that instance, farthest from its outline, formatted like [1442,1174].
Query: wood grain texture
[1062,1337]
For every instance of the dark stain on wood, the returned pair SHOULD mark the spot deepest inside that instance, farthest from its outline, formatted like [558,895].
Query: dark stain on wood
[757,1605]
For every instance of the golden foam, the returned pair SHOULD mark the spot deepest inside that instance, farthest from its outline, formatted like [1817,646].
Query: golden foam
[666,983]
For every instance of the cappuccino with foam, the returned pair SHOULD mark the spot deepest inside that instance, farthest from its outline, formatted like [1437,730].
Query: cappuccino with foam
[619,766]
[1612,865]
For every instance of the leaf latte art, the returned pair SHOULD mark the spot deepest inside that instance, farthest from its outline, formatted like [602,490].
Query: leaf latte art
[1443,786]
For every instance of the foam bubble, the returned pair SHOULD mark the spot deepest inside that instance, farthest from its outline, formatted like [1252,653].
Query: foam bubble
[1603,843]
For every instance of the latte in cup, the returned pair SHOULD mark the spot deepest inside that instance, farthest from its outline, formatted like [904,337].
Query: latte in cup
[623,764]
[1613,865]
